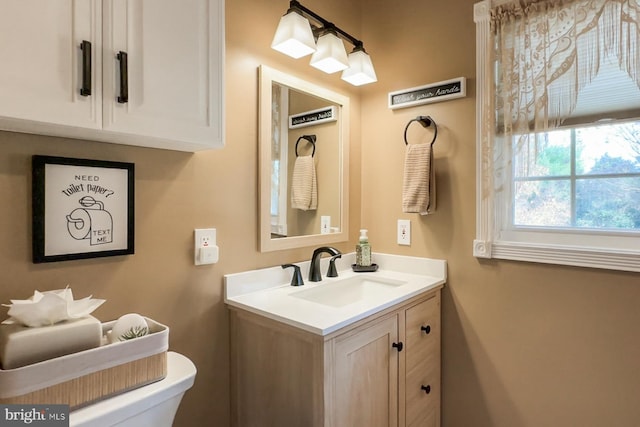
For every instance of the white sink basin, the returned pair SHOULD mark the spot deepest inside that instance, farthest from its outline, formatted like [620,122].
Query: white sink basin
[327,306]
[349,291]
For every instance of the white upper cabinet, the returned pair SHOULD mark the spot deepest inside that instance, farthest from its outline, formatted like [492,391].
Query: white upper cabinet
[156,71]
[174,55]
[41,71]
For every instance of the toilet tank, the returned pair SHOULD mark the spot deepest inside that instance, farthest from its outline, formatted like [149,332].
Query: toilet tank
[154,405]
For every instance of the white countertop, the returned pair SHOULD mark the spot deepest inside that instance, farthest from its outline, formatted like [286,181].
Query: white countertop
[267,292]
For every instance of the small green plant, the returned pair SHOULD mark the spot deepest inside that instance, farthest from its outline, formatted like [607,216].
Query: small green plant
[134,332]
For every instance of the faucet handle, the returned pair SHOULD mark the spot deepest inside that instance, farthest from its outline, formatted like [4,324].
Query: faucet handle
[296,279]
[332,272]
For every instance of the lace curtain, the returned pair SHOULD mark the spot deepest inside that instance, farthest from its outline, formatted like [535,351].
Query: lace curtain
[547,51]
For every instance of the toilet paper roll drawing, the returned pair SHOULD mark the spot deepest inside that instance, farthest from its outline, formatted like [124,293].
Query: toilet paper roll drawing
[91,222]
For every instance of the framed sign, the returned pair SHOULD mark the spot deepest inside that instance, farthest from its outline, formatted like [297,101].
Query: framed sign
[434,92]
[314,117]
[81,208]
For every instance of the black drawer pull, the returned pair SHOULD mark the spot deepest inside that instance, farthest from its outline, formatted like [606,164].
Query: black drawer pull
[426,388]
[397,345]
[124,77]
[85,47]
[426,329]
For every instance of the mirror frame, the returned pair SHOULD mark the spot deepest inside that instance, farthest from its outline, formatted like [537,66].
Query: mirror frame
[267,77]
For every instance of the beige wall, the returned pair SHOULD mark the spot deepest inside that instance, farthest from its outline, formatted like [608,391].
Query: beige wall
[523,344]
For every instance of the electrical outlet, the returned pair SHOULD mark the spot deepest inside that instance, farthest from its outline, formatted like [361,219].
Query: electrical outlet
[404,232]
[205,249]
[325,224]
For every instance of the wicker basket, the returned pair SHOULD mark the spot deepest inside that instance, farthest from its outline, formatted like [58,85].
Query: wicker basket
[82,378]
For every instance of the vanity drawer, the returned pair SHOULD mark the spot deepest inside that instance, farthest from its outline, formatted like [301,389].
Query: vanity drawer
[422,384]
[423,395]
[423,331]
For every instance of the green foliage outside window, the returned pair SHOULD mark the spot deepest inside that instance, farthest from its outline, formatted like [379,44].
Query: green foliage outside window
[581,178]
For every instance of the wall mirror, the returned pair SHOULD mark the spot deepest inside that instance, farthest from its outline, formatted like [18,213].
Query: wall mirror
[303,128]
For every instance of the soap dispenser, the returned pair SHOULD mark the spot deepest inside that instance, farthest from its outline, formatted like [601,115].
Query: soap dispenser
[363,250]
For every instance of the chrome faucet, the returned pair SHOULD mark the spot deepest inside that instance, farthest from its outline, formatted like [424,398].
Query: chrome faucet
[314,268]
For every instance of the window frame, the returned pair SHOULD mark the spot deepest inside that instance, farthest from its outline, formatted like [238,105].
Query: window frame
[583,248]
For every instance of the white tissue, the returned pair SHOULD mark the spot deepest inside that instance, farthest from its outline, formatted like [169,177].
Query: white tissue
[50,307]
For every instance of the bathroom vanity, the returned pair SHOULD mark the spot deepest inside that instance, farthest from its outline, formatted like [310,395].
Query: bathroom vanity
[362,349]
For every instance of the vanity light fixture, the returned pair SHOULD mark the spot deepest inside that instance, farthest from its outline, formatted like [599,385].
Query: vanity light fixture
[296,37]
[330,55]
[360,71]
[293,36]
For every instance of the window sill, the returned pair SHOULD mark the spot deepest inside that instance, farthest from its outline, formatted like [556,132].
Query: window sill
[556,254]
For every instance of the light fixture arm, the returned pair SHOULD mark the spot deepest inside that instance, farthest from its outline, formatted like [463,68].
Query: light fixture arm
[357,44]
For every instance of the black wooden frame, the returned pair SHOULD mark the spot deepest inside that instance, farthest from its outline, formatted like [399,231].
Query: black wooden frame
[39,182]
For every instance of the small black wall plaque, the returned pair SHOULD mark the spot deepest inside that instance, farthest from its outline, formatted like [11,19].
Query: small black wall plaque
[313,117]
[434,92]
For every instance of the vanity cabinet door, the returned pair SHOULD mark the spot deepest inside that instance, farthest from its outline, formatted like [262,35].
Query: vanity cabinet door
[422,392]
[173,74]
[42,63]
[366,376]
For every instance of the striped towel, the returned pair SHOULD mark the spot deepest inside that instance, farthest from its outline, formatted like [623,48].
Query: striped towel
[304,191]
[418,186]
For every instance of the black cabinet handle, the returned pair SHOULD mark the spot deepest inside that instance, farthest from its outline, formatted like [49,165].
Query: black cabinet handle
[397,345]
[124,77]
[426,329]
[426,388]
[85,46]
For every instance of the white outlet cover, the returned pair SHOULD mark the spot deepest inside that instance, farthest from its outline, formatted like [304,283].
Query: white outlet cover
[205,248]
[325,224]
[404,232]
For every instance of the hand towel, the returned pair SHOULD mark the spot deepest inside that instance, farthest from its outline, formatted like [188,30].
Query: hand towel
[304,192]
[418,186]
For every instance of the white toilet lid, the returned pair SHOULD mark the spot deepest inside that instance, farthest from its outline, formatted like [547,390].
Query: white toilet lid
[181,374]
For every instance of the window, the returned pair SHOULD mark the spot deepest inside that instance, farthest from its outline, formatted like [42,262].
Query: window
[585,178]
[558,132]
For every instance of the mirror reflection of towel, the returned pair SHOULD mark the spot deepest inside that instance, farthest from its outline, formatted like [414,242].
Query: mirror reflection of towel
[304,191]
[418,186]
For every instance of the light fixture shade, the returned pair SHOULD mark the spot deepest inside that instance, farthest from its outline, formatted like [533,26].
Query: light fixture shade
[330,55]
[360,71]
[293,36]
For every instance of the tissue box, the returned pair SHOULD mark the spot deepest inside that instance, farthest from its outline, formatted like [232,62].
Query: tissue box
[21,345]
[81,378]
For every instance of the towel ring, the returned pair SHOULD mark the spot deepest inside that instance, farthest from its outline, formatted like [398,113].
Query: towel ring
[311,139]
[425,121]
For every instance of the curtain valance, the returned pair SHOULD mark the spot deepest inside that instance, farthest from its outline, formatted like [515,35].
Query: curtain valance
[547,51]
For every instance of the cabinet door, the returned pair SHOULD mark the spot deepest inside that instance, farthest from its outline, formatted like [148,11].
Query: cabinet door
[422,392]
[41,71]
[366,376]
[174,69]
